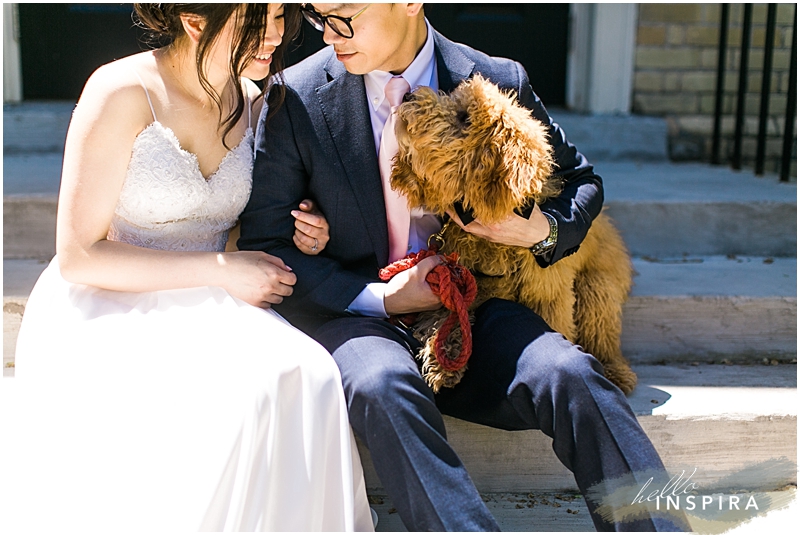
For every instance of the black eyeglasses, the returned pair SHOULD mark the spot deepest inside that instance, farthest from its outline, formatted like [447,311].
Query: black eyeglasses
[340,25]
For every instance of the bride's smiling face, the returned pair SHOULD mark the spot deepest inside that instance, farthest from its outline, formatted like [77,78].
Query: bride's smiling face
[256,66]
[259,67]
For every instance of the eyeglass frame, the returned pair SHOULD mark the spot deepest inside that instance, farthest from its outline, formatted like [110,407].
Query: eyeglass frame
[308,11]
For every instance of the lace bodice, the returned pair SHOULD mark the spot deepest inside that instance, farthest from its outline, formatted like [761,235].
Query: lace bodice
[167,204]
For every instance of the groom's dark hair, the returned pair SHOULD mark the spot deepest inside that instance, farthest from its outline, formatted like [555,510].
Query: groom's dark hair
[165,28]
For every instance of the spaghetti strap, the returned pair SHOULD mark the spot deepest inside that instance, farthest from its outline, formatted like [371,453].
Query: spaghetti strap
[147,94]
[249,112]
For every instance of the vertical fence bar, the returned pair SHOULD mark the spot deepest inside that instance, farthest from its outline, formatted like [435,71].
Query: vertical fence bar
[740,102]
[723,48]
[766,75]
[791,108]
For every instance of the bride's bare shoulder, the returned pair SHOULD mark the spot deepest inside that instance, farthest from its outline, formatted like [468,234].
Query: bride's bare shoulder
[115,91]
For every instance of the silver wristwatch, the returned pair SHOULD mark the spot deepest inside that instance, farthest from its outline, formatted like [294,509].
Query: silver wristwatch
[549,243]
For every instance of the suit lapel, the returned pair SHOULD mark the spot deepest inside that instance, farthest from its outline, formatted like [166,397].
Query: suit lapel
[343,102]
[452,64]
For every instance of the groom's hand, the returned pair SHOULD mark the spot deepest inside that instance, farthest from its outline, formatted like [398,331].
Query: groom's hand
[408,291]
[514,230]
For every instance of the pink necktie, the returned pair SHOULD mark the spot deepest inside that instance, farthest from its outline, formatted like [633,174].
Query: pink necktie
[398,219]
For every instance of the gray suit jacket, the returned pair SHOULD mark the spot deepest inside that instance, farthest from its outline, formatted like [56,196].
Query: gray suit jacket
[319,145]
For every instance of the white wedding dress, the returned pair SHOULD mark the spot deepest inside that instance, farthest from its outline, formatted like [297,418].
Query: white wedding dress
[177,410]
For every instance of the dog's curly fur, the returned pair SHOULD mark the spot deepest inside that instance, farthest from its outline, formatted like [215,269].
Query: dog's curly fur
[478,146]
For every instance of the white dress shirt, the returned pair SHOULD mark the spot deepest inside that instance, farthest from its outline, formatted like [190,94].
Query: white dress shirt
[421,72]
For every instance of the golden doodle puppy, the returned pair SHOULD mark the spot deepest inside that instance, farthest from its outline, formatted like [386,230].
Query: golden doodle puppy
[478,147]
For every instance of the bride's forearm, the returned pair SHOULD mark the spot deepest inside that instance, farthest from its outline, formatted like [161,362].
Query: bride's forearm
[128,268]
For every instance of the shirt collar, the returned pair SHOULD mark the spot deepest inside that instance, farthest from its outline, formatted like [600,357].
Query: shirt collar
[420,73]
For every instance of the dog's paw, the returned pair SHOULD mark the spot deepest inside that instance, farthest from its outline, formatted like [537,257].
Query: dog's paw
[622,376]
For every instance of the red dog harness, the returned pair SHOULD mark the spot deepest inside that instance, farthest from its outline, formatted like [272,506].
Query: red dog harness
[457,289]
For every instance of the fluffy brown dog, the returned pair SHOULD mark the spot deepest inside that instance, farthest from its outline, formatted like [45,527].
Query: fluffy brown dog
[477,146]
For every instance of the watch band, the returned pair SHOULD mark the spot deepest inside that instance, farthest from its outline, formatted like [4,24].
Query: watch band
[549,243]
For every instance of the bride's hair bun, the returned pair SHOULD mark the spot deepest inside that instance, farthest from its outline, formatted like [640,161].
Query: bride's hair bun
[161,19]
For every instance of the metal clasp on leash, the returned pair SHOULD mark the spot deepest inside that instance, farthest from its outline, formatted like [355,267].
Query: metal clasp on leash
[436,241]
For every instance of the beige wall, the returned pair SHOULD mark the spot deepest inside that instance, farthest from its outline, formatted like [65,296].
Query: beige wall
[675,72]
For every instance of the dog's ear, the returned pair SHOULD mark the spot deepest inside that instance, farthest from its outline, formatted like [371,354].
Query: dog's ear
[486,189]
[486,186]
[516,145]
[528,161]
[405,181]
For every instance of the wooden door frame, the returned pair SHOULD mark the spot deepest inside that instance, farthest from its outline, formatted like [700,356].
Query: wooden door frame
[601,57]
[12,63]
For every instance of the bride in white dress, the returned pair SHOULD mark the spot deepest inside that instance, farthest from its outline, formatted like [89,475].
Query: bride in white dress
[155,389]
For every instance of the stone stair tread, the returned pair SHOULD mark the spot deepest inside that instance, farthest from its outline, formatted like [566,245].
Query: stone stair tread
[678,391]
[691,308]
[19,276]
[680,276]
[625,137]
[685,375]
[31,174]
[624,181]
[35,126]
[715,275]
[671,182]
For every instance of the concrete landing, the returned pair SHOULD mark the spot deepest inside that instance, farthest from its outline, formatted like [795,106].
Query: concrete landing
[531,511]
[555,512]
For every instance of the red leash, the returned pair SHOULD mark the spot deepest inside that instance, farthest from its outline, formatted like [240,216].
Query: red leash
[456,287]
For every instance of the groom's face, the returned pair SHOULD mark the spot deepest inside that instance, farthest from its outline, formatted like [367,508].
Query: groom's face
[384,36]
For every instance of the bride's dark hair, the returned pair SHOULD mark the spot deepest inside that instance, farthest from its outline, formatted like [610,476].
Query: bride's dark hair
[164,24]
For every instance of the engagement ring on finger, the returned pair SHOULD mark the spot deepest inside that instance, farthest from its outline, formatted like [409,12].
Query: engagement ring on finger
[316,243]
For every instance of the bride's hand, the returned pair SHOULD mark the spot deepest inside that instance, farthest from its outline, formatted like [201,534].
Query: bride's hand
[257,278]
[311,232]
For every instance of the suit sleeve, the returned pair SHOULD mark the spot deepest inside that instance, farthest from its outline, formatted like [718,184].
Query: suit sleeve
[582,196]
[280,182]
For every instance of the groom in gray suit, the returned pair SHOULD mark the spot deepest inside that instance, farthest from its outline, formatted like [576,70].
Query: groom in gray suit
[324,143]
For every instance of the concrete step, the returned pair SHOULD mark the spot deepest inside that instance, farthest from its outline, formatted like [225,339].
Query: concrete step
[660,208]
[41,126]
[36,126]
[685,309]
[29,226]
[699,209]
[695,308]
[737,425]
[557,512]
[624,137]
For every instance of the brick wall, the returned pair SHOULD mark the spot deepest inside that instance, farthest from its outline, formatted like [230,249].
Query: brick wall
[675,77]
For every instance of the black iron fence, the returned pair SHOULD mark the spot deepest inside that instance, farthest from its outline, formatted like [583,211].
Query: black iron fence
[788,149]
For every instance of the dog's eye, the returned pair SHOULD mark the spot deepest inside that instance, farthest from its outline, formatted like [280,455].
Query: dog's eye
[408,97]
[462,117]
